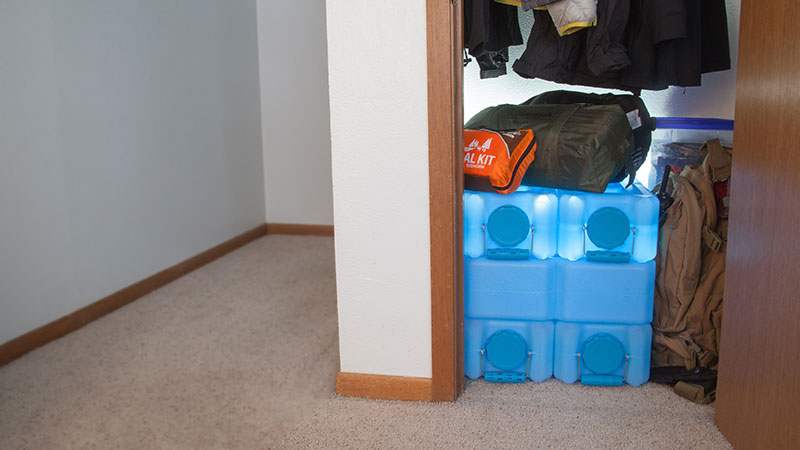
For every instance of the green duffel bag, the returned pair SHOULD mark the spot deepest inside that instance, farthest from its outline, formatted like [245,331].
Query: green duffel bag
[579,147]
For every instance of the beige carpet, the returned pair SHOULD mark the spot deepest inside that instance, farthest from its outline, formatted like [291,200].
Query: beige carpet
[534,415]
[230,356]
[242,353]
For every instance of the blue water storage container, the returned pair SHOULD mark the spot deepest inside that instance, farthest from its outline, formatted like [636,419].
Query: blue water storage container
[511,226]
[605,292]
[618,225]
[519,290]
[508,351]
[602,354]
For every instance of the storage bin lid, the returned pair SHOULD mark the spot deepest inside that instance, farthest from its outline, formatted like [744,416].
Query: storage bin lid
[692,123]
[608,227]
[602,354]
[506,349]
[508,225]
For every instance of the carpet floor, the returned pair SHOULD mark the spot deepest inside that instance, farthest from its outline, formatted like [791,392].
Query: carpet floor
[232,355]
[242,354]
[549,415]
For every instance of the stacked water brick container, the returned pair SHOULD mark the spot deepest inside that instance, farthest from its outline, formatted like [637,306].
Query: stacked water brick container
[559,283]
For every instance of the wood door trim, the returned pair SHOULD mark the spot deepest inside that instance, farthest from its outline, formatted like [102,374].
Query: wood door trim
[445,140]
[32,340]
[384,387]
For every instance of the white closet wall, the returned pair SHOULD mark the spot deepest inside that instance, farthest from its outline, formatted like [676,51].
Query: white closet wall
[129,141]
[295,118]
[379,129]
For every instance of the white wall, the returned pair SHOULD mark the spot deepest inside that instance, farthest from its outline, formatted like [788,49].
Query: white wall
[378,107]
[129,141]
[715,98]
[295,119]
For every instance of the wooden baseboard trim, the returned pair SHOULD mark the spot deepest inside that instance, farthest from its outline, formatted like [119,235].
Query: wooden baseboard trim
[21,345]
[299,229]
[384,387]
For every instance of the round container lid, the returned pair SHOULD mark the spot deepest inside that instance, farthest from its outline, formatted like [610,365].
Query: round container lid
[608,227]
[506,349]
[602,354]
[508,225]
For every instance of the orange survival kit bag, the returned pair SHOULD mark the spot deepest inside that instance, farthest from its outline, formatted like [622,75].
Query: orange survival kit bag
[497,160]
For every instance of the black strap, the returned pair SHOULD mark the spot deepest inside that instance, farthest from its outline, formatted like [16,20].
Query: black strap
[628,162]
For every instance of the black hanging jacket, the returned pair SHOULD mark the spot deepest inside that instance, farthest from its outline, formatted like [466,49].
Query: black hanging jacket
[591,57]
[673,43]
[637,44]
[489,29]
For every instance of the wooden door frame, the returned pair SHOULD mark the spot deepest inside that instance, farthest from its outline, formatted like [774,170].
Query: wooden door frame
[445,141]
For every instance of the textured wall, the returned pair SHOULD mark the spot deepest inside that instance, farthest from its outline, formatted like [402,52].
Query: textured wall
[295,120]
[378,106]
[129,141]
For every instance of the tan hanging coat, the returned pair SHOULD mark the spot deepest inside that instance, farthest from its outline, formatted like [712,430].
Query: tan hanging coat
[690,267]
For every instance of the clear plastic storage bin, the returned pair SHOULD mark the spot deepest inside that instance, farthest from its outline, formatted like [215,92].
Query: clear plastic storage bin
[602,354]
[511,226]
[618,225]
[677,141]
[508,351]
[521,290]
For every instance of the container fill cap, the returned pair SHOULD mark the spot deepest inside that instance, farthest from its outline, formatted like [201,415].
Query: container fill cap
[508,225]
[603,354]
[506,349]
[608,227]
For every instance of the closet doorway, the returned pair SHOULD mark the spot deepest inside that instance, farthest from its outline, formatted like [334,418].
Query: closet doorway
[758,382]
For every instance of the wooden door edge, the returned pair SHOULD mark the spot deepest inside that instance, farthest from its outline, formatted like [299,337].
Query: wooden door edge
[445,139]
